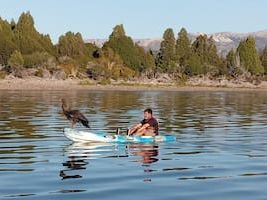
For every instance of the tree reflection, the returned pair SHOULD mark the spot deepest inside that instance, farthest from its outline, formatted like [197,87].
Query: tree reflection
[20,111]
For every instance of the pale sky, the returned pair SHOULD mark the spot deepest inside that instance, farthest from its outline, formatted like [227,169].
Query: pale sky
[141,18]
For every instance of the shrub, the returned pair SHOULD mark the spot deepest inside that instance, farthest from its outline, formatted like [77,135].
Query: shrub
[36,59]
[2,74]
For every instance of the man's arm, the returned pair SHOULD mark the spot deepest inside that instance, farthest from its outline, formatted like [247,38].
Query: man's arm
[135,128]
[142,130]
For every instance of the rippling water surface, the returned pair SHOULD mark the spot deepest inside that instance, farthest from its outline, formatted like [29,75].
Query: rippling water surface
[220,153]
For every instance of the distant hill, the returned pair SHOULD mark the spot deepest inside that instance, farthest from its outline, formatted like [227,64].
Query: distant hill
[225,41]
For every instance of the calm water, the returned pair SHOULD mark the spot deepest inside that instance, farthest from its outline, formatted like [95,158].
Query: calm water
[220,153]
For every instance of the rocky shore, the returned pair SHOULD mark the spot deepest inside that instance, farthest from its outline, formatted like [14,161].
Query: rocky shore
[204,83]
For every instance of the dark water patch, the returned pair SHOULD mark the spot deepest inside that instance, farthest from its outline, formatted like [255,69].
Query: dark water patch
[185,153]
[16,170]
[69,191]
[175,169]
[255,174]
[20,195]
[202,178]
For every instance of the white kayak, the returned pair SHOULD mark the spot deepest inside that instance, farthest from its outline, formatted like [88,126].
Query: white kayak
[87,136]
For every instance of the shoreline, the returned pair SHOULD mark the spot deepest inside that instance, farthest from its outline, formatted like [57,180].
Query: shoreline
[76,84]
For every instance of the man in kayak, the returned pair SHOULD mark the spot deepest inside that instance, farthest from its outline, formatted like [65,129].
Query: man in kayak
[148,126]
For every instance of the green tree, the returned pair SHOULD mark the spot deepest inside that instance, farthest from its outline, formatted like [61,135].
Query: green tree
[230,58]
[205,48]
[91,50]
[249,57]
[109,65]
[233,64]
[28,39]
[147,61]
[205,51]
[183,47]
[7,46]
[264,59]
[166,58]
[71,45]
[118,32]
[125,47]
[212,53]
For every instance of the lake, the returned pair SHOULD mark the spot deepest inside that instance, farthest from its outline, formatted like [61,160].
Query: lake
[220,152]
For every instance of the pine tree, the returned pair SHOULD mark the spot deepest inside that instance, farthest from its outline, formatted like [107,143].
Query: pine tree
[198,60]
[264,59]
[71,45]
[147,60]
[125,47]
[28,39]
[150,63]
[166,58]
[205,51]
[212,54]
[183,47]
[118,32]
[7,46]
[233,64]
[230,59]
[249,57]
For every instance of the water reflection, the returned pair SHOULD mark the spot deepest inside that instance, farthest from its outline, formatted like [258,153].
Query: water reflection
[79,155]
[147,153]
[221,141]
[15,158]
[25,114]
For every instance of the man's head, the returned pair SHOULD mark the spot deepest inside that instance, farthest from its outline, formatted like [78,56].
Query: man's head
[148,113]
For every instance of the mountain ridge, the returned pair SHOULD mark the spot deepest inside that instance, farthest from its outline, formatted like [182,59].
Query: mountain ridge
[224,41]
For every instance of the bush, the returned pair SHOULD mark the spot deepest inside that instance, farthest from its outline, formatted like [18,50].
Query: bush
[104,81]
[2,74]
[98,71]
[36,59]
[181,79]
[86,82]
[70,69]
[16,60]
[39,73]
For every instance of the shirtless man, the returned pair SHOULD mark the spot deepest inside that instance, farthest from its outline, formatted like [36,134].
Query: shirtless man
[148,126]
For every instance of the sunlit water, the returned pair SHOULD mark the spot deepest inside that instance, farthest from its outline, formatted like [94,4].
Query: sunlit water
[220,153]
